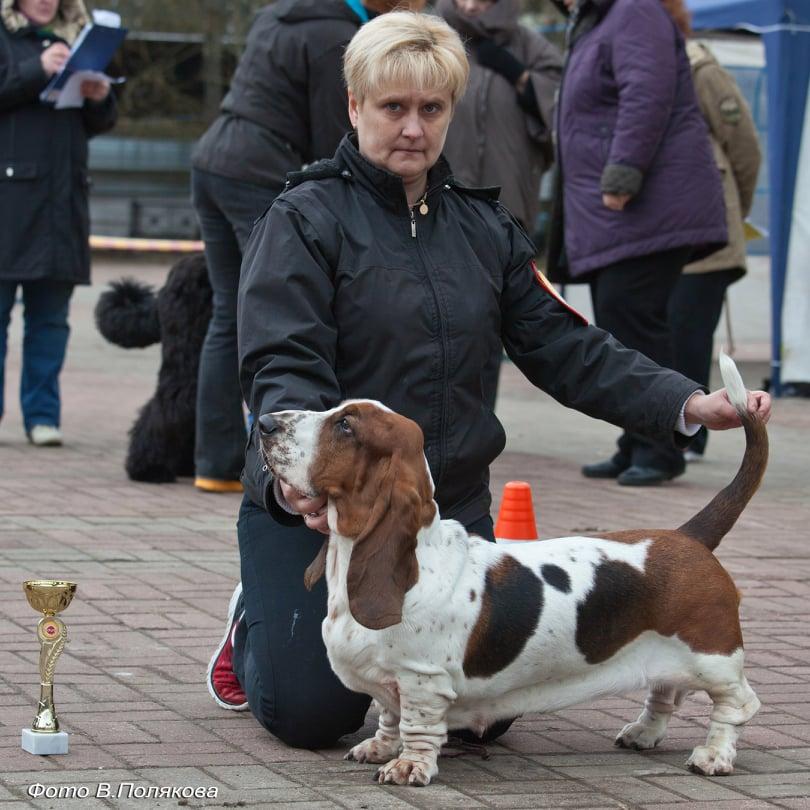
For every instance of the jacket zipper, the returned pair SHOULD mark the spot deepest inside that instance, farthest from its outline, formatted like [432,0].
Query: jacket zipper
[443,338]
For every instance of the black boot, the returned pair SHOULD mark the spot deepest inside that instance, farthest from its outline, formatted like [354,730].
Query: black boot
[612,468]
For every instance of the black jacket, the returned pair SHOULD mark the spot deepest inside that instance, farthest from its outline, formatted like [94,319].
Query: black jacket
[43,168]
[338,300]
[287,102]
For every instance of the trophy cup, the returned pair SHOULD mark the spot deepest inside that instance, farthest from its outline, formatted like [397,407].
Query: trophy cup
[50,597]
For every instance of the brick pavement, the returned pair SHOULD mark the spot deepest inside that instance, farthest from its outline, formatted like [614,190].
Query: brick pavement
[156,564]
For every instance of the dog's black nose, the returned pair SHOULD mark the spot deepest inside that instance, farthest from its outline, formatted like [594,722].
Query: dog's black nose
[267,424]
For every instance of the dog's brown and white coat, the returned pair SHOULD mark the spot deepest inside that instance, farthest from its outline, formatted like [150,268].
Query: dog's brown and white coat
[445,630]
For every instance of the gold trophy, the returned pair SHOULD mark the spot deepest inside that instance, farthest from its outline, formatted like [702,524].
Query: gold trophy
[50,597]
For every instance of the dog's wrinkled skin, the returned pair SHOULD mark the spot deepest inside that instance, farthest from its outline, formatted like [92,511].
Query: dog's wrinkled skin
[447,630]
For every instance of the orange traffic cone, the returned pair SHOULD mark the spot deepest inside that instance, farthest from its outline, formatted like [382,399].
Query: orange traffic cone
[516,515]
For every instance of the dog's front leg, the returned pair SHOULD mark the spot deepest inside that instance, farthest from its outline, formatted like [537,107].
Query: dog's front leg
[424,700]
[384,744]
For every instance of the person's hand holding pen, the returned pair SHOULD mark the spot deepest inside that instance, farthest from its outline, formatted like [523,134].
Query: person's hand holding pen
[53,59]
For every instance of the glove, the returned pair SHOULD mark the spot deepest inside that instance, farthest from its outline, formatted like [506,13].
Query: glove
[498,59]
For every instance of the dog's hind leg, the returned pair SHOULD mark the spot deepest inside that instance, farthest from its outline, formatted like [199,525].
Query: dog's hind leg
[651,725]
[735,703]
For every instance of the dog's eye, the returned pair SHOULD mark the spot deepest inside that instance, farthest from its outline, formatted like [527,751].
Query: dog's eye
[344,427]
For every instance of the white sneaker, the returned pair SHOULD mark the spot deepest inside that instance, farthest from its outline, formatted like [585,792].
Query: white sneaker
[45,436]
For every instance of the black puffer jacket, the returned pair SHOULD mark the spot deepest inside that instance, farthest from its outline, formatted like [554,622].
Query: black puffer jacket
[43,167]
[344,295]
[287,102]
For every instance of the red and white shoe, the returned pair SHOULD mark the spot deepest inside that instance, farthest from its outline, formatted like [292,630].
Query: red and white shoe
[222,681]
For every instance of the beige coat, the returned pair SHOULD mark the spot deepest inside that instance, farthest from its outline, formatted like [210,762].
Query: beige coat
[736,149]
[492,141]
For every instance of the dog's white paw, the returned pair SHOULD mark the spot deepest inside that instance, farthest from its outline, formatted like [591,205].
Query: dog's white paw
[710,761]
[374,750]
[639,736]
[403,771]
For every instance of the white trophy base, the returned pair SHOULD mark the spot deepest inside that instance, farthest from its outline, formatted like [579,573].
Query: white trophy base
[44,743]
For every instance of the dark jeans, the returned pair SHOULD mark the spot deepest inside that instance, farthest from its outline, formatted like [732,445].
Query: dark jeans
[694,312]
[631,301]
[45,336]
[279,654]
[226,210]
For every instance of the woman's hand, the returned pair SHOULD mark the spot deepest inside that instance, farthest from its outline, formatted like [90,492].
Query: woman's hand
[717,413]
[53,59]
[95,89]
[615,202]
[313,509]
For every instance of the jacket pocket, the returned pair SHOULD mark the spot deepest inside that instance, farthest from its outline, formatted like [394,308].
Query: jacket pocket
[18,170]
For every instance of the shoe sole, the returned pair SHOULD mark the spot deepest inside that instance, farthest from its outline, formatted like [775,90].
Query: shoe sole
[54,442]
[234,707]
[217,485]
[650,482]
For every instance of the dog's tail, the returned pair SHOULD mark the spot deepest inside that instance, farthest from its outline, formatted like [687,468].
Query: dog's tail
[127,314]
[714,521]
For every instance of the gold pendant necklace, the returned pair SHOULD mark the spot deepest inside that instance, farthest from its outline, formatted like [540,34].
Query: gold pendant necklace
[423,206]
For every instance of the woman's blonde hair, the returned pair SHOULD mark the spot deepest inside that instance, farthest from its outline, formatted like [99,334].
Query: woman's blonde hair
[405,49]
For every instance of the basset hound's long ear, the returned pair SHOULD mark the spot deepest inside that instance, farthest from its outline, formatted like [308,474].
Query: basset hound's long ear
[317,568]
[383,565]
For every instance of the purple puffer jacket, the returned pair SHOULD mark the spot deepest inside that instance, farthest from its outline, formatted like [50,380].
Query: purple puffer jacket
[629,122]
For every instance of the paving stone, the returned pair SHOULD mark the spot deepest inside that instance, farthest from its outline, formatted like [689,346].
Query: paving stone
[249,777]
[580,800]
[697,788]
[379,797]
[734,804]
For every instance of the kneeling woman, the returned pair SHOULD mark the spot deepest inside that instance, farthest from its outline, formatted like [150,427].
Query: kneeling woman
[376,275]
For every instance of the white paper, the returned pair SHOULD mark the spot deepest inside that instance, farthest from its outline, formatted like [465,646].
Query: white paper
[108,18]
[71,96]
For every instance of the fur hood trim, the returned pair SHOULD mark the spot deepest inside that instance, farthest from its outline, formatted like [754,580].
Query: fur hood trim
[70,19]
[699,55]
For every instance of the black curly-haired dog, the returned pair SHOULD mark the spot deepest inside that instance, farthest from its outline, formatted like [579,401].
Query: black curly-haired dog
[132,315]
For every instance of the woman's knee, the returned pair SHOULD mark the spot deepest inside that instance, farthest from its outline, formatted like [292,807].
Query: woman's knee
[304,721]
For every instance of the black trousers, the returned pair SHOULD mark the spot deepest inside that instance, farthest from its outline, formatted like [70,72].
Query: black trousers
[694,312]
[226,210]
[279,655]
[631,301]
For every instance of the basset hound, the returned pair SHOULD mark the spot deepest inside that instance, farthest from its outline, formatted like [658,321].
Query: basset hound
[445,630]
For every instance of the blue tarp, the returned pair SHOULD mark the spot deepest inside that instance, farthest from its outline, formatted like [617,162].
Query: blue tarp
[785,29]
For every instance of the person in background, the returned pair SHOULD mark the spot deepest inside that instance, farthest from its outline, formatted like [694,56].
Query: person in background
[638,194]
[501,129]
[285,108]
[697,301]
[44,246]
[378,275]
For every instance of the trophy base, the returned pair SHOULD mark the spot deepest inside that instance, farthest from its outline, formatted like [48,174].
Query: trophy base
[44,743]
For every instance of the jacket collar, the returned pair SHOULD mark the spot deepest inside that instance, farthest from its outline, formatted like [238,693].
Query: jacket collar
[386,186]
[587,14]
